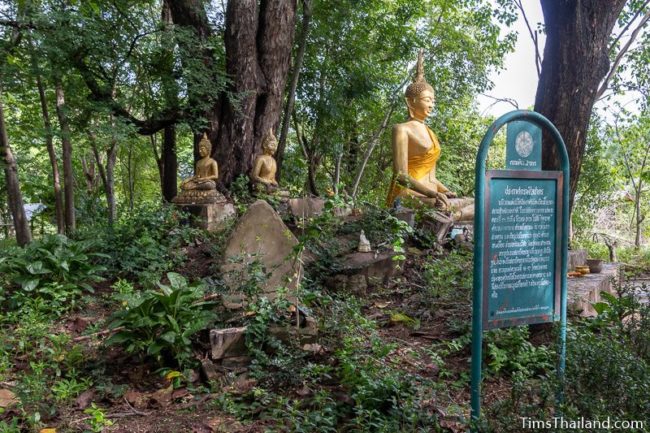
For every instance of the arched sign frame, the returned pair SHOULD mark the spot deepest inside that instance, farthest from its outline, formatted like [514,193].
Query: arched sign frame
[480,258]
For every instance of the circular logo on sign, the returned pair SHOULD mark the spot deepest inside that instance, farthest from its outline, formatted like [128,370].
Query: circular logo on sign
[524,144]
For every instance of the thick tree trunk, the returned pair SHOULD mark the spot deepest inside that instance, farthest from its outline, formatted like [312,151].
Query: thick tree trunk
[49,142]
[295,76]
[14,196]
[169,164]
[576,59]
[258,45]
[68,173]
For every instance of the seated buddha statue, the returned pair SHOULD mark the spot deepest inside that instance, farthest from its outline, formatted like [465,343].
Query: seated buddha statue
[264,169]
[202,187]
[416,151]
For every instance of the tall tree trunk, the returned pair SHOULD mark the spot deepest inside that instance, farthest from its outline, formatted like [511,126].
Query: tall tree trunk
[169,164]
[90,175]
[107,174]
[49,142]
[14,196]
[576,59]
[295,76]
[639,218]
[258,45]
[130,176]
[68,173]
[111,158]
[5,214]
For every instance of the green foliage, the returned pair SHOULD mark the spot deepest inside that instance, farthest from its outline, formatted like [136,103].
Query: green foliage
[145,243]
[98,421]
[447,274]
[54,268]
[161,323]
[510,351]
[607,367]
[67,389]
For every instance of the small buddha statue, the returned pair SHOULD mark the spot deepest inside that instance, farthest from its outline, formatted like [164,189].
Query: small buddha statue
[364,243]
[202,187]
[264,169]
[416,151]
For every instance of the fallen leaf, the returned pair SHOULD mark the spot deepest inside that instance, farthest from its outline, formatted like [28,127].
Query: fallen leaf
[313,348]
[173,374]
[180,393]
[79,325]
[137,399]
[47,430]
[382,305]
[84,400]
[7,398]
[243,384]
[304,391]
[163,396]
[405,320]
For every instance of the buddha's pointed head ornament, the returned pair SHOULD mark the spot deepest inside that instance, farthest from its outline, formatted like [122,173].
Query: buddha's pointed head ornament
[205,142]
[419,83]
[269,142]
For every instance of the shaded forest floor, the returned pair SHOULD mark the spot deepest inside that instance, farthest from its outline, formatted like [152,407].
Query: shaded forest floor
[409,332]
[395,358]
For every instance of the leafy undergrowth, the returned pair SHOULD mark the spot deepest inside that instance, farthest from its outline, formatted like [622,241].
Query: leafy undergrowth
[131,356]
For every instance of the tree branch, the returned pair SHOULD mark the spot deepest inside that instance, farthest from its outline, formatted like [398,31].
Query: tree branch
[533,36]
[621,54]
[100,93]
[627,26]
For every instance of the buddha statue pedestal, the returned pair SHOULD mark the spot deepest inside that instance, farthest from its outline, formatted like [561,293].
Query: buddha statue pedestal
[199,196]
[210,210]
[212,217]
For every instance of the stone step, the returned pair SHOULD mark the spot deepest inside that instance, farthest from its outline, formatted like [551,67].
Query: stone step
[584,291]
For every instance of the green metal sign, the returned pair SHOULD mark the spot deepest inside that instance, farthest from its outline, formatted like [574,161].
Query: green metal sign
[522,276]
[521,231]
[523,146]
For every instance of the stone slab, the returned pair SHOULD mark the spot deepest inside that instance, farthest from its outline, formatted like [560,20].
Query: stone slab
[307,208]
[228,342]
[359,271]
[260,235]
[211,217]
[405,214]
[584,291]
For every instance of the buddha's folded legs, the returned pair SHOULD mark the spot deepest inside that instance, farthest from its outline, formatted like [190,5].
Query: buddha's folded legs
[462,209]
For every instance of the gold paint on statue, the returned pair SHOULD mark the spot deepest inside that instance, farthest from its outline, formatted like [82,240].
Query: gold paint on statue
[265,166]
[202,187]
[416,151]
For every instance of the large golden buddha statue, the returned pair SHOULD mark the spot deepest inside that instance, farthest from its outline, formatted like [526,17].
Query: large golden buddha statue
[416,151]
[202,187]
[265,166]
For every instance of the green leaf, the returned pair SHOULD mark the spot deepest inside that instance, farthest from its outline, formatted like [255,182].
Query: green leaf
[169,336]
[36,268]
[600,307]
[611,299]
[30,285]
[176,280]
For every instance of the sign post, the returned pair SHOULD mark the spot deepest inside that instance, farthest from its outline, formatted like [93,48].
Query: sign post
[521,233]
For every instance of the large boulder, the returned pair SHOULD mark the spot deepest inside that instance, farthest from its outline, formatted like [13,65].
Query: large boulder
[261,235]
